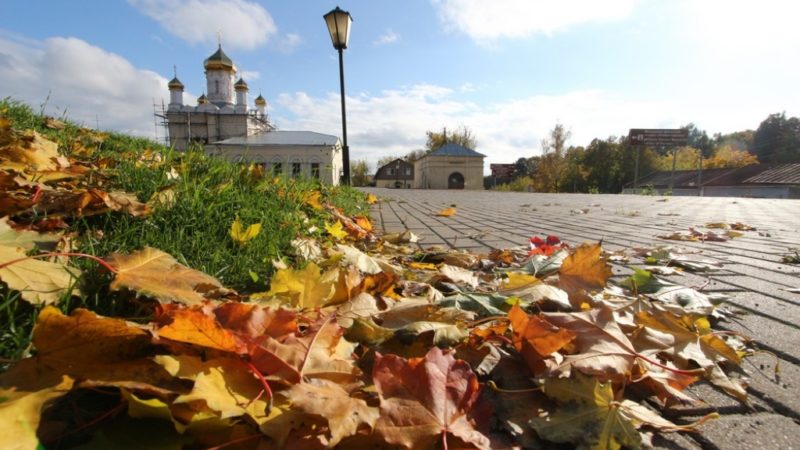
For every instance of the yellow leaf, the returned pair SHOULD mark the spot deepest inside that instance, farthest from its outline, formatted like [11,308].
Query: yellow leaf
[21,411]
[517,280]
[421,266]
[156,274]
[364,223]
[585,269]
[39,282]
[305,288]
[312,200]
[372,199]
[336,230]
[242,236]
[447,212]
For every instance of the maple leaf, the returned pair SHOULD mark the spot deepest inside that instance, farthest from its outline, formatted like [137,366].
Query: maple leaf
[156,274]
[536,339]
[590,416]
[321,352]
[425,399]
[584,270]
[312,200]
[601,348]
[242,236]
[364,223]
[195,327]
[447,212]
[253,321]
[359,259]
[372,199]
[21,412]
[344,414]
[39,282]
[517,280]
[304,288]
[336,230]
[31,152]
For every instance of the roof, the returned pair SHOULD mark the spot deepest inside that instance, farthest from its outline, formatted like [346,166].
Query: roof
[175,83]
[735,177]
[383,172]
[219,60]
[780,174]
[260,100]
[241,84]
[456,150]
[283,138]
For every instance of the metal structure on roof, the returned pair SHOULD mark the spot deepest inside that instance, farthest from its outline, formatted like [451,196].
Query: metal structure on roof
[456,150]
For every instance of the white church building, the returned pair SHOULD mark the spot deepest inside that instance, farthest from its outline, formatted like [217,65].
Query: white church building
[224,125]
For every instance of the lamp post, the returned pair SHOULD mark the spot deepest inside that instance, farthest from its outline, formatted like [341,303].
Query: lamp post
[338,22]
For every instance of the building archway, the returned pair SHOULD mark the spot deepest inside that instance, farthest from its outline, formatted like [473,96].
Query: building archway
[455,181]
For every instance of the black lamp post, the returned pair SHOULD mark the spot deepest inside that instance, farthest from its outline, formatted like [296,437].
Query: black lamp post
[338,22]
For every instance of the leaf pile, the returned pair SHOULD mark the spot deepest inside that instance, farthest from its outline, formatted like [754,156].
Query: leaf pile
[358,341]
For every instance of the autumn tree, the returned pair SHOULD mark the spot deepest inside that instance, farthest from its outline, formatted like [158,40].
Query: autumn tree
[360,173]
[550,171]
[727,156]
[462,136]
[384,161]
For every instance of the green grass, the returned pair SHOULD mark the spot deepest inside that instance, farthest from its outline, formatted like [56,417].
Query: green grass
[210,193]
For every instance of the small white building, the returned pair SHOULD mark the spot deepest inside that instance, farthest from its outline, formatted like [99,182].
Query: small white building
[224,125]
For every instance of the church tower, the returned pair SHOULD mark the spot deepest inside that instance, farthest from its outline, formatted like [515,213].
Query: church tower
[220,73]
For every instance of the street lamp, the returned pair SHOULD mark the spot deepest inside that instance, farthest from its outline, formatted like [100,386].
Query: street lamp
[338,22]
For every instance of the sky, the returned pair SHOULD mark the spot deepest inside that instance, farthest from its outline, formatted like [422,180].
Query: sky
[509,70]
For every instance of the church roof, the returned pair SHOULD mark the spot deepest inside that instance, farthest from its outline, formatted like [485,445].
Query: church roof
[219,60]
[279,137]
[456,150]
[175,83]
[260,100]
[241,84]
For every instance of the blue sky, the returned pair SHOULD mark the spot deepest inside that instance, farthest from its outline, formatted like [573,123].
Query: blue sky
[507,69]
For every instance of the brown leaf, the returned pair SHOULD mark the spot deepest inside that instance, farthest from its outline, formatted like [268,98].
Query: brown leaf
[253,321]
[601,348]
[345,414]
[447,212]
[156,274]
[423,399]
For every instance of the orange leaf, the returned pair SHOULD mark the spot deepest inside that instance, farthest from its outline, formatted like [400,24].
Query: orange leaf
[584,270]
[536,339]
[254,321]
[447,212]
[364,223]
[192,326]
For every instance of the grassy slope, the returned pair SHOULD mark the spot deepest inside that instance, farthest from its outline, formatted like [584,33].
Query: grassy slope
[210,194]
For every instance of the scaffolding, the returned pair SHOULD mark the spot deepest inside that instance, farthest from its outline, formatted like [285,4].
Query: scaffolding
[160,121]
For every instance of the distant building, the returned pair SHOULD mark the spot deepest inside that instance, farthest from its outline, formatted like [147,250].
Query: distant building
[756,180]
[397,174]
[450,167]
[224,125]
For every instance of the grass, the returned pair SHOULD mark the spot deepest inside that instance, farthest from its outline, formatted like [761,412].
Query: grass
[210,193]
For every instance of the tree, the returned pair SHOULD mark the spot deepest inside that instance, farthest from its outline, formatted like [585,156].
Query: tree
[727,156]
[360,173]
[777,139]
[699,139]
[462,136]
[415,155]
[552,165]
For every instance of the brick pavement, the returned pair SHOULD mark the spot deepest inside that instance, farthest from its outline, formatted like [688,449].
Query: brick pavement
[752,275]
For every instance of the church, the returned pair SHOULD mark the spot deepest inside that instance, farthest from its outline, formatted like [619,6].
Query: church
[224,124]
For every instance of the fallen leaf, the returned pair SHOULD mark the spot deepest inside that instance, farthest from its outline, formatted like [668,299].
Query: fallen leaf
[336,230]
[517,280]
[584,270]
[359,259]
[304,288]
[312,200]
[459,275]
[307,249]
[11,237]
[195,327]
[242,236]
[156,274]
[447,212]
[39,282]
[423,398]
[345,414]
[21,413]
[372,199]
[536,339]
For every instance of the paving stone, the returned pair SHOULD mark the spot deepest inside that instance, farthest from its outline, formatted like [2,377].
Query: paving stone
[753,431]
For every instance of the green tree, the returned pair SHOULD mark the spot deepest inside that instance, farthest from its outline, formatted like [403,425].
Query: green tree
[777,139]
[359,173]
[462,136]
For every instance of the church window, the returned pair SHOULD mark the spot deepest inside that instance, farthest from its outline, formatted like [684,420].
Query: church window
[295,170]
[216,86]
[277,169]
[315,171]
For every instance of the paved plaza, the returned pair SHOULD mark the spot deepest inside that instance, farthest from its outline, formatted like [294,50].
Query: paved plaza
[753,276]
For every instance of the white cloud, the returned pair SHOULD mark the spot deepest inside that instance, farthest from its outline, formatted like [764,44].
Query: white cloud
[82,81]
[242,24]
[481,19]
[289,42]
[394,122]
[389,37]
[249,75]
